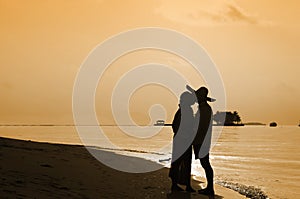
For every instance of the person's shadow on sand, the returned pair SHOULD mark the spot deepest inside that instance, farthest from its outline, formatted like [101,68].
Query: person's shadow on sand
[187,195]
[178,195]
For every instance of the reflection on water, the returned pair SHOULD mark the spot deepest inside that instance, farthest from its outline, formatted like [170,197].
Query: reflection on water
[261,156]
[52,134]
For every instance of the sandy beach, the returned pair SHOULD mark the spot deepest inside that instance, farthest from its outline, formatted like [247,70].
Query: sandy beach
[43,170]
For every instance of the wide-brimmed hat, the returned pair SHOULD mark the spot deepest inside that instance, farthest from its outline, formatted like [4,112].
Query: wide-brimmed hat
[202,92]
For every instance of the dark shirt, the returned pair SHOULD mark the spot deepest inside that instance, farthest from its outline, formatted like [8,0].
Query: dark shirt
[205,123]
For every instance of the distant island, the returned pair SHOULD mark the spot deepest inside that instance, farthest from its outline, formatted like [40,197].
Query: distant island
[273,124]
[254,124]
[231,118]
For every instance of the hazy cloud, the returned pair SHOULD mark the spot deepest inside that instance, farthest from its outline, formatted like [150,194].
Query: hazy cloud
[235,14]
[208,12]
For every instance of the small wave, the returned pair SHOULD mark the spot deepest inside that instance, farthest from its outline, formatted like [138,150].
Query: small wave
[248,191]
[126,150]
[251,159]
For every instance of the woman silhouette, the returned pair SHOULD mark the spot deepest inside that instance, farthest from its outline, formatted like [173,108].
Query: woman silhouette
[184,133]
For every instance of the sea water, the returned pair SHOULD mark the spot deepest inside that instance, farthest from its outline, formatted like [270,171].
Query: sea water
[260,156]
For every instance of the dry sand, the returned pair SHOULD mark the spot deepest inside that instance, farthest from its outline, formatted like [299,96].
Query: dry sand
[42,170]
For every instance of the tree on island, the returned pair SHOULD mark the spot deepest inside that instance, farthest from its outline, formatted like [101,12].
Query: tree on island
[231,118]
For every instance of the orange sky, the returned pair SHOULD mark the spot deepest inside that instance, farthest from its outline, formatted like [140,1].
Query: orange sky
[255,45]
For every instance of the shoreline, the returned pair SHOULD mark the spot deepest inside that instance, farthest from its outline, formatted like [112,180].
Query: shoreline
[32,169]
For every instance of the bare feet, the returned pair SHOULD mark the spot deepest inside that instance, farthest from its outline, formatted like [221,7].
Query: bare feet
[190,189]
[207,192]
[175,187]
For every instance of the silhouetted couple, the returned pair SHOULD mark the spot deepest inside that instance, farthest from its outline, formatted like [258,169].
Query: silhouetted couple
[192,133]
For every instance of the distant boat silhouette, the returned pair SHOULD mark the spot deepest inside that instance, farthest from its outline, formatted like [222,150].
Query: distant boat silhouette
[273,124]
[159,123]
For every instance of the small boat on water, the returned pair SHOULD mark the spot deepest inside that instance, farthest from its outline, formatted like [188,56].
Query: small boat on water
[273,124]
[159,123]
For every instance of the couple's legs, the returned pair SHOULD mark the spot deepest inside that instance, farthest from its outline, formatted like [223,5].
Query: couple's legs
[208,172]
[180,171]
[189,168]
[206,166]
[173,173]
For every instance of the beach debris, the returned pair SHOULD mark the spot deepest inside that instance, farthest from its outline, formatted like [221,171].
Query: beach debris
[164,160]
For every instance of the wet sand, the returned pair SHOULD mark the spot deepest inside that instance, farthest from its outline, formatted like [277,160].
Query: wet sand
[42,170]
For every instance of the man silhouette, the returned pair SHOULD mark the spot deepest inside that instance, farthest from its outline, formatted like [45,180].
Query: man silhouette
[202,141]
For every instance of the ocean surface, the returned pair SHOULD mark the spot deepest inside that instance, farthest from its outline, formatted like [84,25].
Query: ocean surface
[260,156]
